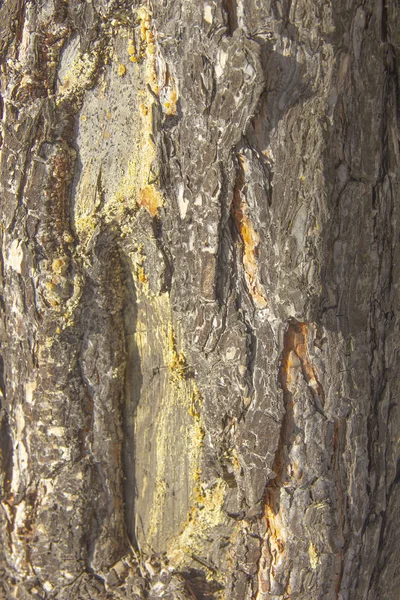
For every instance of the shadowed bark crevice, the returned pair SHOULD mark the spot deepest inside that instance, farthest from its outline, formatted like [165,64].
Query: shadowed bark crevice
[199,303]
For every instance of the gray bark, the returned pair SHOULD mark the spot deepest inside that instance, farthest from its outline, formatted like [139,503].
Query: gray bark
[199,299]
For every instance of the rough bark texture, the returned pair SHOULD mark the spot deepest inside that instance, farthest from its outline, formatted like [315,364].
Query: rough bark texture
[199,316]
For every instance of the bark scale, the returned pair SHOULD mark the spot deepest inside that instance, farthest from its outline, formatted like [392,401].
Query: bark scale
[199,299]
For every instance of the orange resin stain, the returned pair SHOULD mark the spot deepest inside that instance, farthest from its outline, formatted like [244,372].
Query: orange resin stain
[296,362]
[250,240]
[271,565]
[150,199]
[275,529]
[295,356]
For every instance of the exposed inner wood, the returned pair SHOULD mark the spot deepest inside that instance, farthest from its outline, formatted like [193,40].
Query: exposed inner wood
[199,300]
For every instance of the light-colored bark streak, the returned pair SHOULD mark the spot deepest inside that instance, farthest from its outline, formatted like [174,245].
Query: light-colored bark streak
[199,300]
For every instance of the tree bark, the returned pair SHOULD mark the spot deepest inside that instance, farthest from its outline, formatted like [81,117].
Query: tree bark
[199,299]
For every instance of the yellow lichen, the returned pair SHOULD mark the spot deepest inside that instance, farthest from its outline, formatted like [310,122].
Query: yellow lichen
[72,302]
[138,186]
[144,16]
[78,76]
[132,50]
[204,516]
[60,265]
[142,275]
[171,99]
[67,237]
[158,504]
[196,437]
[177,364]
[178,402]
[135,187]
[128,187]
[86,227]
[121,70]
[144,109]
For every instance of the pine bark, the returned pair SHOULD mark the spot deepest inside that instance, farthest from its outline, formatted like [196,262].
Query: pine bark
[199,307]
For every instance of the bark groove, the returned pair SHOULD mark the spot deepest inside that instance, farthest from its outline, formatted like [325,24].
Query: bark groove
[199,302]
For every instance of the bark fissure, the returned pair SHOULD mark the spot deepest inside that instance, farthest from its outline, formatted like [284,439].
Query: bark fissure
[199,303]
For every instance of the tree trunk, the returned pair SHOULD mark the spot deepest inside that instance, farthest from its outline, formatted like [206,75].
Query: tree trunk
[199,318]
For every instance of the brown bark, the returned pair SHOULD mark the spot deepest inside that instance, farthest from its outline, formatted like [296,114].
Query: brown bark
[199,299]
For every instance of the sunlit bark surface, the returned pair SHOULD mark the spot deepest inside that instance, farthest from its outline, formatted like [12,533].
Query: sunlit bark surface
[199,316]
